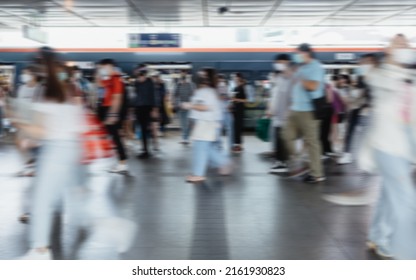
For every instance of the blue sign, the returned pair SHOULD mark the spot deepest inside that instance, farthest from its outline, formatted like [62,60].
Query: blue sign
[155,40]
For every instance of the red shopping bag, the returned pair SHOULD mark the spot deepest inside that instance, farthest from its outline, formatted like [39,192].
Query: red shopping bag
[96,141]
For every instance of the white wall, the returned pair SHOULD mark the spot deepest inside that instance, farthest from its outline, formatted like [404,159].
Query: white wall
[212,37]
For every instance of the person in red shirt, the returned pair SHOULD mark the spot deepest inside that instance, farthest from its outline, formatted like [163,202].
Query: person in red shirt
[110,106]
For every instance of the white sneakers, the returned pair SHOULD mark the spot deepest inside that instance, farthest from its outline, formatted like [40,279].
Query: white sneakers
[350,199]
[37,255]
[119,168]
[345,159]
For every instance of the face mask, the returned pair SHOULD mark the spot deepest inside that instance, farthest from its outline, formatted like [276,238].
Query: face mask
[62,76]
[362,70]
[279,67]
[104,72]
[298,58]
[404,56]
[78,75]
[25,78]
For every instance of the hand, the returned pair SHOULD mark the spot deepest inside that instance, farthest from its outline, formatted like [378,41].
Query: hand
[269,114]
[111,120]
[155,113]
[186,106]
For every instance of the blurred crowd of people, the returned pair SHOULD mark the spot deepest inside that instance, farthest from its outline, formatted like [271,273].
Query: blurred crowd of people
[53,100]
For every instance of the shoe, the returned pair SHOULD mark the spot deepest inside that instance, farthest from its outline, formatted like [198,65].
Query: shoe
[143,156]
[195,179]
[237,149]
[119,168]
[24,219]
[383,253]
[313,179]
[184,142]
[37,255]
[348,199]
[298,172]
[324,157]
[345,159]
[267,154]
[371,245]
[332,154]
[279,167]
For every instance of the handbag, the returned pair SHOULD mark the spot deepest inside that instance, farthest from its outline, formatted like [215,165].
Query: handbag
[263,128]
[205,130]
[95,140]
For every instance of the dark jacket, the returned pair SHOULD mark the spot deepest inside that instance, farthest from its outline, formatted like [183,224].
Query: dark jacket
[145,93]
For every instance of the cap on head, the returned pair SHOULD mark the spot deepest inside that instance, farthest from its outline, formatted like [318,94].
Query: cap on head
[305,47]
[283,56]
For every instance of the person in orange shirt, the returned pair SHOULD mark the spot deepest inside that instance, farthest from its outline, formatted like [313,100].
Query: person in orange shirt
[110,106]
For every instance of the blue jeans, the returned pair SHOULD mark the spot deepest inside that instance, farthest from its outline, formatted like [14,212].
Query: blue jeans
[206,153]
[1,120]
[227,123]
[58,171]
[393,227]
[185,124]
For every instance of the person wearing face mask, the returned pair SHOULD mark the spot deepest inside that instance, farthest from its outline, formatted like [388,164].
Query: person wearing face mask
[182,94]
[390,149]
[83,86]
[146,108]
[28,92]
[238,108]
[227,121]
[110,107]
[309,81]
[206,113]
[355,102]
[279,110]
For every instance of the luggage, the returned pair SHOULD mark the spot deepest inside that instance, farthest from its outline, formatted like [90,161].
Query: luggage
[263,128]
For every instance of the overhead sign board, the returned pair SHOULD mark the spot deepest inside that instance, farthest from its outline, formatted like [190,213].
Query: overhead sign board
[82,64]
[35,34]
[344,56]
[154,40]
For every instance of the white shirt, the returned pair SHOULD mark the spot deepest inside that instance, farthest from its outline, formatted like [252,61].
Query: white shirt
[63,122]
[208,97]
[28,93]
[387,129]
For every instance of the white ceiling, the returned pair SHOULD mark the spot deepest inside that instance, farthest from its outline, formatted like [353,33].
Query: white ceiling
[204,13]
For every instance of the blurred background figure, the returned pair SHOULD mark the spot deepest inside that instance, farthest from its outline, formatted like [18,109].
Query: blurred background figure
[390,148]
[308,85]
[183,93]
[238,108]
[82,86]
[146,109]
[110,109]
[2,109]
[279,109]
[227,121]
[57,123]
[29,91]
[207,116]
[162,103]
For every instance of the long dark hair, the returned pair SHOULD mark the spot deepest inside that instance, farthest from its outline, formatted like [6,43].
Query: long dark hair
[208,77]
[54,89]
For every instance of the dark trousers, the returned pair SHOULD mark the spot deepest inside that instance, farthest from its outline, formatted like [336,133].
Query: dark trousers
[326,131]
[353,119]
[279,145]
[143,117]
[238,126]
[114,131]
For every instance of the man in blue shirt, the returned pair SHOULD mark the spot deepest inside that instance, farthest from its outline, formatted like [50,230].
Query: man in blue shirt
[308,85]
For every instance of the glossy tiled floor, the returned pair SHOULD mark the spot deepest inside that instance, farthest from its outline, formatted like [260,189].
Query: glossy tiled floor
[251,215]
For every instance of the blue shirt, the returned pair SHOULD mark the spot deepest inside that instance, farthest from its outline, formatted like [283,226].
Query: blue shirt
[301,98]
